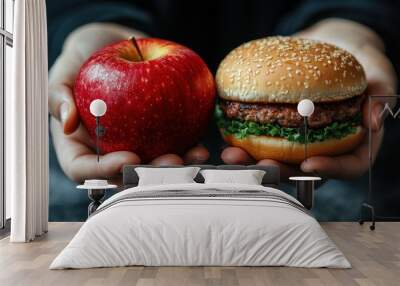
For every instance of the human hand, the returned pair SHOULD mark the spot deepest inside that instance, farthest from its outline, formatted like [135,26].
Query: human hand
[367,47]
[73,146]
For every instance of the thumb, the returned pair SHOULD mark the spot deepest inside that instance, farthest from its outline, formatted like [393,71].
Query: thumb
[62,107]
[380,90]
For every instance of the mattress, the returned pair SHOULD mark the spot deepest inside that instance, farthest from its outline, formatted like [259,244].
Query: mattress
[201,225]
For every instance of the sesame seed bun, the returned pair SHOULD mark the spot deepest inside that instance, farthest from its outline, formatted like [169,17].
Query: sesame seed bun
[280,149]
[287,70]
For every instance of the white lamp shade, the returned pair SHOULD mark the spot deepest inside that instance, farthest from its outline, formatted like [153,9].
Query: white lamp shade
[98,107]
[305,107]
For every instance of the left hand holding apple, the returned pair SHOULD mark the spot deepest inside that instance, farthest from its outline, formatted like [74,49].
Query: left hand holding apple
[367,47]
[71,140]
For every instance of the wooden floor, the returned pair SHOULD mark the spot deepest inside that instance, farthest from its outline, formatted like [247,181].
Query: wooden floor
[375,257]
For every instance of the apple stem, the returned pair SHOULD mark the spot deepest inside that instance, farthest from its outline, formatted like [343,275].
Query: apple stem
[133,40]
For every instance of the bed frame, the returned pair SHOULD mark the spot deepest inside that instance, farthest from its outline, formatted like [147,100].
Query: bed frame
[271,177]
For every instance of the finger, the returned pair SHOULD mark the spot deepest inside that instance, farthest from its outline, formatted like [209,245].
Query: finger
[286,170]
[78,160]
[236,155]
[61,80]
[196,155]
[167,159]
[347,166]
[377,117]
[62,107]
[109,165]
[340,167]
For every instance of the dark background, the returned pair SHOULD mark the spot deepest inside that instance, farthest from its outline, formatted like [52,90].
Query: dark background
[212,29]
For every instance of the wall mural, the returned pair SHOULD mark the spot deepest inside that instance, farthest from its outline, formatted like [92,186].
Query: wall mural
[295,103]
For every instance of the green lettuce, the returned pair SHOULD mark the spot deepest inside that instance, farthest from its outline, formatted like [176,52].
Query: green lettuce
[241,129]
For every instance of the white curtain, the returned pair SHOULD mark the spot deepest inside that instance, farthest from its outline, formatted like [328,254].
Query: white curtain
[27,124]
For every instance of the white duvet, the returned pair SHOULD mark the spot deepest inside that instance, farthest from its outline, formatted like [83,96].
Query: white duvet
[190,231]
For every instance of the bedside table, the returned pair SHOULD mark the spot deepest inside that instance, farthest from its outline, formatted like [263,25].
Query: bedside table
[96,195]
[305,190]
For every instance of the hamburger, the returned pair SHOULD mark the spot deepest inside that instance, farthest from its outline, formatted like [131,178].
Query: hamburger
[260,84]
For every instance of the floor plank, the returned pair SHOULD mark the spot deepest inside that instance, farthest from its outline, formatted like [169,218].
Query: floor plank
[375,257]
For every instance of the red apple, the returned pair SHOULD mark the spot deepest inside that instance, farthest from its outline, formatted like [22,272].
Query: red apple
[156,105]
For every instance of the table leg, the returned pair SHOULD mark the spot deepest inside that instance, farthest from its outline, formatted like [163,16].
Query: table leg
[96,197]
[305,193]
[372,210]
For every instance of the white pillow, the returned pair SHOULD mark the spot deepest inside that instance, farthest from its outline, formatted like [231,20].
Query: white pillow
[162,176]
[248,177]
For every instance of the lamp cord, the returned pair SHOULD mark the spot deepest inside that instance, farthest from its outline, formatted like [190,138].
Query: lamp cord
[97,137]
[305,138]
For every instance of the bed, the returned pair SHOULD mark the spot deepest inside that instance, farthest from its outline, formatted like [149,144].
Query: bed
[201,224]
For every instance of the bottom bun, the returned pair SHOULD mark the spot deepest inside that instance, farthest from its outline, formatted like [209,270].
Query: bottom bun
[280,149]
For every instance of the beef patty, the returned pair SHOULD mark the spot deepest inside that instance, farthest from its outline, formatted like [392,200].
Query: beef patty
[286,115]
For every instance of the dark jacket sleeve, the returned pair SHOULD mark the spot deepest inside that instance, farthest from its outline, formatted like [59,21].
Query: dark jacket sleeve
[63,16]
[379,15]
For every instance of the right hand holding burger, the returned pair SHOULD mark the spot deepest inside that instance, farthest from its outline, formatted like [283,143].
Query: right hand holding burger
[261,82]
